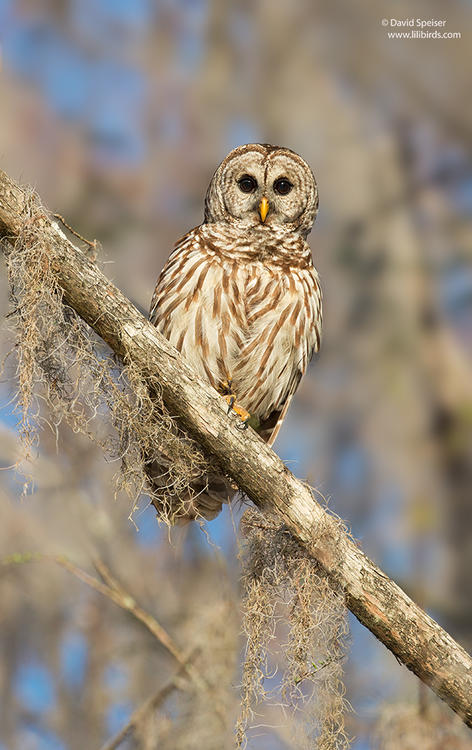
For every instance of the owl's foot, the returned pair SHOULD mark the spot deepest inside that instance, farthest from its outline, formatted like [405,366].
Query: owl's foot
[233,406]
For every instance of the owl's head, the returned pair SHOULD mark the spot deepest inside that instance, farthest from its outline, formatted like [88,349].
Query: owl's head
[263,185]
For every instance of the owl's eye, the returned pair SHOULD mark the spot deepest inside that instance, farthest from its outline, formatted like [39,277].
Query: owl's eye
[282,186]
[247,183]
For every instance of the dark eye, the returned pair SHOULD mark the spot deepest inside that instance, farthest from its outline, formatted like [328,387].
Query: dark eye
[282,186]
[247,183]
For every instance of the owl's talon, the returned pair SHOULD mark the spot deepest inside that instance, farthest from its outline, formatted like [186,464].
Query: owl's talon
[242,413]
[231,400]
[234,407]
[227,386]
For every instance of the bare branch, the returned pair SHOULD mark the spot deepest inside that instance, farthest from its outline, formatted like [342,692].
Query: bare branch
[114,591]
[414,637]
[153,702]
[119,596]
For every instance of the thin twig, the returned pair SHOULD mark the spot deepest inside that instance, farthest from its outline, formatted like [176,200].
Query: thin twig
[91,243]
[137,716]
[124,600]
[105,572]
[142,711]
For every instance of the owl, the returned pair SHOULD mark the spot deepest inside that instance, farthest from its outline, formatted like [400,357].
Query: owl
[240,299]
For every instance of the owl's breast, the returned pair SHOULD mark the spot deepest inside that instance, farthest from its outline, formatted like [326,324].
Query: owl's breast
[254,322]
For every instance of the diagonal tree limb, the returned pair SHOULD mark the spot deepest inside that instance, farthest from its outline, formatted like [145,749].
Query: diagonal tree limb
[414,637]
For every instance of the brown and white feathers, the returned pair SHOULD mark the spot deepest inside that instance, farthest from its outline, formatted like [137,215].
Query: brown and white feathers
[239,296]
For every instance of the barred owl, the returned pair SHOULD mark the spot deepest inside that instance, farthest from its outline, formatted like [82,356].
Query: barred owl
[240,299]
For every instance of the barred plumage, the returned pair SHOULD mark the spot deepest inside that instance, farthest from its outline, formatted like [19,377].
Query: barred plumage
[239,296]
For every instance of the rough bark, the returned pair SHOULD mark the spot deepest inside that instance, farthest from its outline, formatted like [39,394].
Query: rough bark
[414,637]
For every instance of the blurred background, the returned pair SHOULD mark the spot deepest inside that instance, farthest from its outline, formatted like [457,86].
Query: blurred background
[118,112]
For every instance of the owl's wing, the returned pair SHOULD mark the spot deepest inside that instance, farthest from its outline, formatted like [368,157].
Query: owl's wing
[170,272]
[203,496]
[270,427]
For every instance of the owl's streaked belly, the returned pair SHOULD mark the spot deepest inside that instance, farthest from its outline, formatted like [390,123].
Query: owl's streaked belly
[250,322]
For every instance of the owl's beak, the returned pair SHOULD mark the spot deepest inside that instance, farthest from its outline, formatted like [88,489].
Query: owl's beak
[263,208]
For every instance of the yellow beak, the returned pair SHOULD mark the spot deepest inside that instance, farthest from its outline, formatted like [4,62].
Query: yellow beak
[263,208]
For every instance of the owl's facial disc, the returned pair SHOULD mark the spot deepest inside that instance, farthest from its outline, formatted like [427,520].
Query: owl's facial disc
[263,186]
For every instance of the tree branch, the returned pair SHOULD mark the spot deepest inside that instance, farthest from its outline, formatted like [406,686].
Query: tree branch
[141,713]
[414,637]
[113,590]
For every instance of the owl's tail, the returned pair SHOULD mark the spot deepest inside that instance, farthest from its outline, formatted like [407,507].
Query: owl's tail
[202,499]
